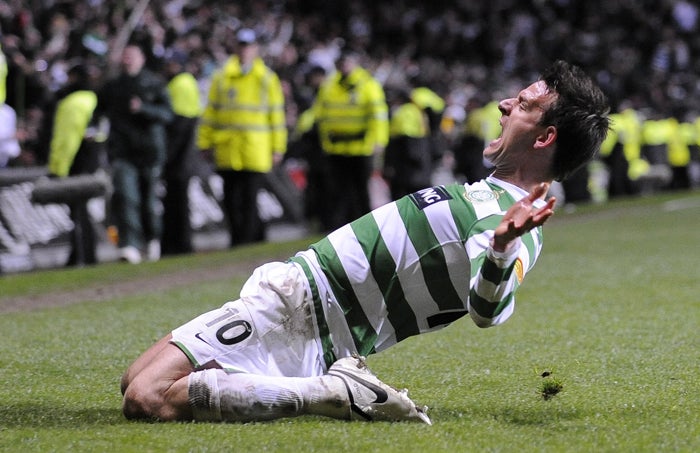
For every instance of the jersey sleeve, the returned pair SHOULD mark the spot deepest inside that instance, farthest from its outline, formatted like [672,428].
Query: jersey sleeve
[496,276]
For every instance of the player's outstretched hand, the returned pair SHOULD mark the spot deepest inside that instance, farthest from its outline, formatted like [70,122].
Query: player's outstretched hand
[522,217]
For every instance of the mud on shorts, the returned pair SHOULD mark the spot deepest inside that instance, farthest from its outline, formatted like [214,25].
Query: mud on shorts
[270,330]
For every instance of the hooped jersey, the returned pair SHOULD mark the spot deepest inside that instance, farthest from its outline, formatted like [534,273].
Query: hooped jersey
[419,263]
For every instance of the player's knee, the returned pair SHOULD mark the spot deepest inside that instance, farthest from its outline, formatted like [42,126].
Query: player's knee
[134,405]
[125,381]
[142,404]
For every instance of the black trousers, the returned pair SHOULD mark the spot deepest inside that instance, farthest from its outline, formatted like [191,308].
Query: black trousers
[240,205]
[177,229]
[349,187]
[83,238]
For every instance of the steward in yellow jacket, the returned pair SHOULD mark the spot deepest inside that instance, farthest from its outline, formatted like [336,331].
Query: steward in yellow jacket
[353,123]
[244,125]
[481,125]
[244,121]
[668,140]
[408,158]
[75,149]
[621,151]
[181,164]
[352,114]
[68,153]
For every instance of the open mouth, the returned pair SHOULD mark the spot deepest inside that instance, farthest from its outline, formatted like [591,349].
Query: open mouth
[497,141]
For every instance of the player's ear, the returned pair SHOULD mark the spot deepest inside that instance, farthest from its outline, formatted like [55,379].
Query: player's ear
[546,138]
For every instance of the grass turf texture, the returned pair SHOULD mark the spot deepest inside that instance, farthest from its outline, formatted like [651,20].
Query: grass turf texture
[611,312]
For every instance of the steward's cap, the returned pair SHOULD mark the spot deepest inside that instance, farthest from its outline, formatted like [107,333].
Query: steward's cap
[246,36]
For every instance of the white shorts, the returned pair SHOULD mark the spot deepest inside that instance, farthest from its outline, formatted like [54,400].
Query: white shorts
[270,330]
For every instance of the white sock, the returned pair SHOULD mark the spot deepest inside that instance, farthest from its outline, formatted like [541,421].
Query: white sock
[215,395]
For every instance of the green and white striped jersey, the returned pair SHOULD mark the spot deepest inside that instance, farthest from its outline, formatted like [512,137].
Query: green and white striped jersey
[417,264]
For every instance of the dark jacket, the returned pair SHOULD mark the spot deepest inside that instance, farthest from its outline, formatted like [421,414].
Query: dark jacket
[138,137]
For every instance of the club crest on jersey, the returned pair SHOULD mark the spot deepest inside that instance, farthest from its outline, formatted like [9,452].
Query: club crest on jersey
[427,197]
[481,195]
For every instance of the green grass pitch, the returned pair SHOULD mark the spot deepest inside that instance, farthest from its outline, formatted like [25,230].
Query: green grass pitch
[601,355]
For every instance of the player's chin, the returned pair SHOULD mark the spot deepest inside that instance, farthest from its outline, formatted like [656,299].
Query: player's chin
[493,151]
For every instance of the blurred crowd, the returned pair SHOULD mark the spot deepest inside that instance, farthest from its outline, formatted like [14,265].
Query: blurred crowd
[644,53]
[646,49]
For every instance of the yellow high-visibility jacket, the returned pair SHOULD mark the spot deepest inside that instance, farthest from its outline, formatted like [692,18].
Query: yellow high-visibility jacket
[244,119]
[305,122]
[668,132]
[426,98]
[679,146]
[626,129]
[184,95]
[352,114]
[73,114]
[408,119]
[484,122]
[3,77]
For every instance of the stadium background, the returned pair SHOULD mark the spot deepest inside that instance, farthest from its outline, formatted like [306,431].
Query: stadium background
[643,53]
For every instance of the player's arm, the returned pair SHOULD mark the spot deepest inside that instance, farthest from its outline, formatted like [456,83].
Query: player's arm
[492,292]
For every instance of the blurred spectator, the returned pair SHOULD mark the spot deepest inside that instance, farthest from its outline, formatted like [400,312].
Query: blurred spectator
[243,126]
[433,106]
[3,75]
[666,142]
[480,127]
[179,167]
[138,107]
[306,144]
[353,124]
[576,187]
[9,146]
[76,149]
[407,159]
[622,153]
[26,88]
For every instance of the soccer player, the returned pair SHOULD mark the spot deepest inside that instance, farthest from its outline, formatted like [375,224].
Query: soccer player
[293,342]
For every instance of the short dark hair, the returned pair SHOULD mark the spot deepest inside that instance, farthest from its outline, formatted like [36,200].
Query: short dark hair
[580,114]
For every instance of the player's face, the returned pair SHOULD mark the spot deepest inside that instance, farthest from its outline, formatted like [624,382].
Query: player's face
[520,118]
